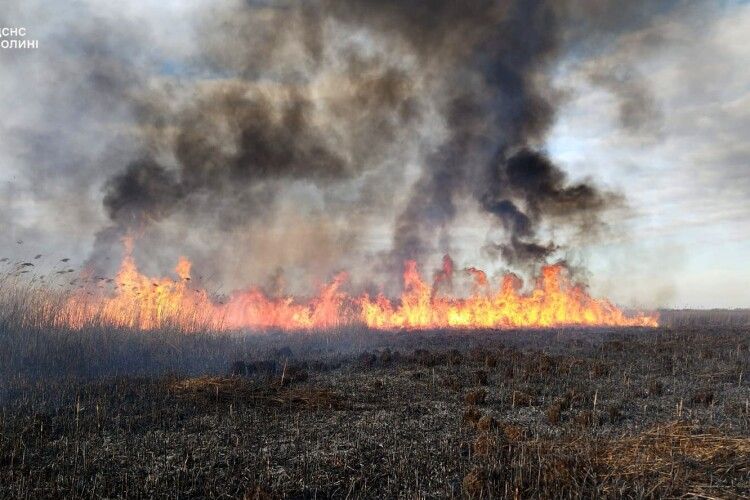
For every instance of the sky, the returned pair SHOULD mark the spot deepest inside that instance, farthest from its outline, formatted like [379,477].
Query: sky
[656,109]
[686,172]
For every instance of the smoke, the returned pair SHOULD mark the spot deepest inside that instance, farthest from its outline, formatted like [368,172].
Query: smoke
[637,109]
[491,58]
[347,120]
[295,108]
[530,179]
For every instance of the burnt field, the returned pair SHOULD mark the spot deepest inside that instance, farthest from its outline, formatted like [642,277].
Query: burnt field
[550,413]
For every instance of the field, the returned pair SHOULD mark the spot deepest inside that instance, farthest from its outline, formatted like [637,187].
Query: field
[480,414]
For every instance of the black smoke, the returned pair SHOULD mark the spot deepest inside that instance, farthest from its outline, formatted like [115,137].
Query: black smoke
[491,57]
[481,67]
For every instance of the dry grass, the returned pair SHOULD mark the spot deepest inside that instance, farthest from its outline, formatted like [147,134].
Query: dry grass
[675,458]
[476,397]
[551,413]
[240,390]
[680,450]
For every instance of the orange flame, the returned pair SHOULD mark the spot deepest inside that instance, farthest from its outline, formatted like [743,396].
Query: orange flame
[554,302]
[138,301]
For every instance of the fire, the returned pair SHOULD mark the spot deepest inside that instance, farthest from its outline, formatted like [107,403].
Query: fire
[142,302]
[554,302]
[137,301]
[252,309]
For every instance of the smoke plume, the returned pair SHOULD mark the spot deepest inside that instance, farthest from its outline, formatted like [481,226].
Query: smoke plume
[346,119]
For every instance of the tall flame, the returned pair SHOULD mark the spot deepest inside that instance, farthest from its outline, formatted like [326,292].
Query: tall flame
[554,302]
[138,301]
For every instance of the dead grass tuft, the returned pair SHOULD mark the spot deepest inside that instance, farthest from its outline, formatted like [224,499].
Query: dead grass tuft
[487,423]
[239,390]
[553,413]
[475,482]
[452,383]
[490,361]
[585,418]
[600,369]
[703,397]
[513,432]
[258,493]
[454,357]
[472,416]
[655,388]
[521,399]
[484,444]
[476,397]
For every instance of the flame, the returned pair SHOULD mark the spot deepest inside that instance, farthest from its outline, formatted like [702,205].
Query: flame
[138,301]
[143,302]
[554,302]
[252,309]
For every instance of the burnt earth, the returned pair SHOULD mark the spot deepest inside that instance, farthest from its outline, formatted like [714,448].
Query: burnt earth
[580,413]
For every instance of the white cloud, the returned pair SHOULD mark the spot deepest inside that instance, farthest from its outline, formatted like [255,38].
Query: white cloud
[688,184]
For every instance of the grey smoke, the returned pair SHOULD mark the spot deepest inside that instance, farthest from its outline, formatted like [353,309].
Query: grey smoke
[638,110]
[315,112]
[486,57]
